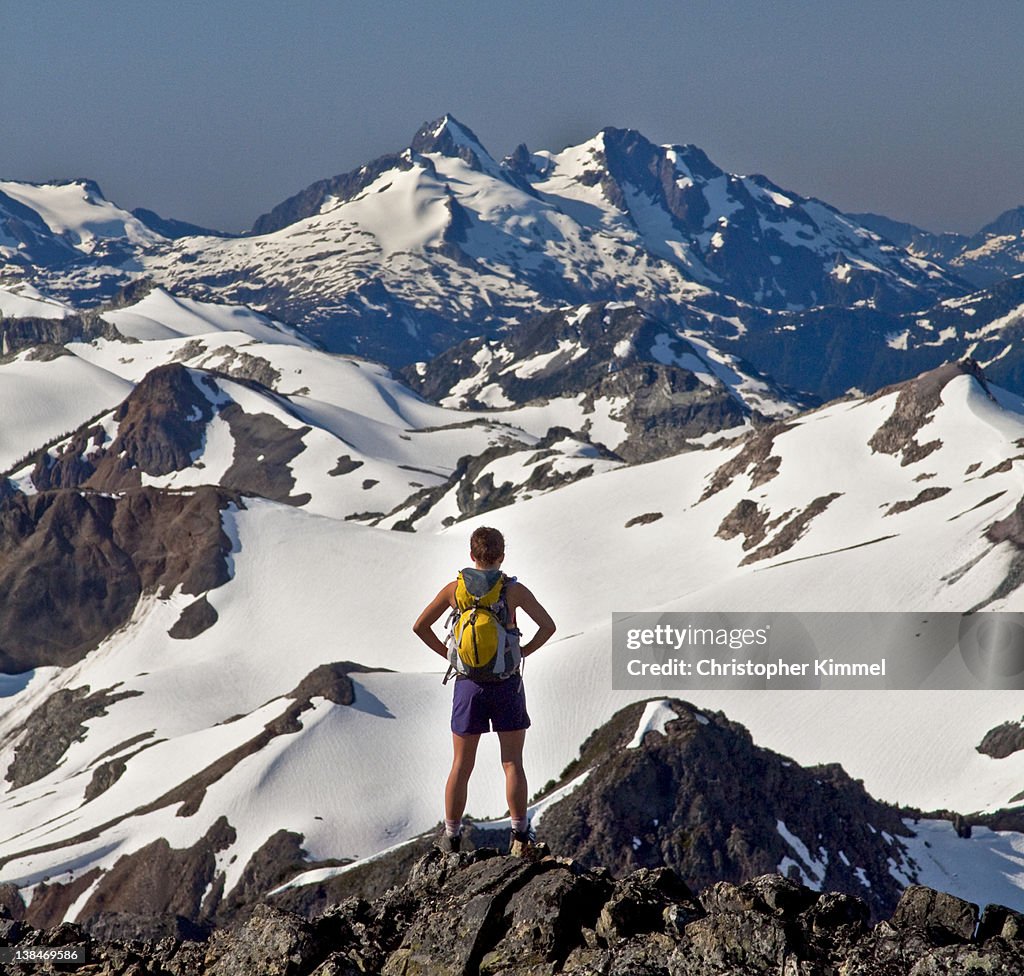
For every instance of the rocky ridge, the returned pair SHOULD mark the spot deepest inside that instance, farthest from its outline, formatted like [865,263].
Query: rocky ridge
[663,391]
[995,252]
[484,914]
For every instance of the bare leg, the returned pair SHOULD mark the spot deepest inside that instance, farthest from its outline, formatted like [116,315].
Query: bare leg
[515,776]
[464,749]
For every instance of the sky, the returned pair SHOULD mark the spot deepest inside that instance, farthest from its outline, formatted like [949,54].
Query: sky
[213,111]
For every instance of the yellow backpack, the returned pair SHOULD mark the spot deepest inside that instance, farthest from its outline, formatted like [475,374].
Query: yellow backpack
[480,643]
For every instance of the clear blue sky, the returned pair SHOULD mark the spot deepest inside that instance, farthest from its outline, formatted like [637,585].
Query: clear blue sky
[215,110]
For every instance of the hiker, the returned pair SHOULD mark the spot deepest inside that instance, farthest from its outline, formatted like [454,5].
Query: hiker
[488,691]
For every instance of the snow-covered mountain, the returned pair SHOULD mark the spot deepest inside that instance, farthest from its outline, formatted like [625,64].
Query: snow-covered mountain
[70,233]
[226,676]
[413,251]
[425,241]
[995,252]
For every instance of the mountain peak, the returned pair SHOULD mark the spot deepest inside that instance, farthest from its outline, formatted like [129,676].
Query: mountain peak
[449,137]
[623,138]
[1010,223]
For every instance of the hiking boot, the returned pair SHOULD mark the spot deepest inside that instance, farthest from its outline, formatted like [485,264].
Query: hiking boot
[450,844]
[520,843]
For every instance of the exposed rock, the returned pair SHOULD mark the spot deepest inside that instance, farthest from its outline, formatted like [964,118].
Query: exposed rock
[241,365]
[46,353]
[755,455]
[918,400]
[280,858]
[161,425]
[192,349]
[771,894]
[667,804]
[542,921]
[345,465]
[1002,741]
[599,352]
[664,408]
[366,879]
[646,519]
[12,905]
[161,880]
[639,903]
[139,927]
[746,519]
[330,681]
[944,917]
[476,491]
[72,465]
[195,618]
[51,901]
[130,293]
[74,564]
[791,532]
[1003,466]
[1009,529]
[270,943]
[475,899]
[998,921]
[927,495]
[485,915]
[18,334]
[104,776]
[53,727]
[263,449]
[981,504]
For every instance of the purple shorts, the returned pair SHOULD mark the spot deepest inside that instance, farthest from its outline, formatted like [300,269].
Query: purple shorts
[479,707]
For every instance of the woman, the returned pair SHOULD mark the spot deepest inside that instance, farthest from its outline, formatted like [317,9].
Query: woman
[478,706]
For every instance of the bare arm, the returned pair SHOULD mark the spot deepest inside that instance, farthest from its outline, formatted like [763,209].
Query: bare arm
[522,599]
[444,600]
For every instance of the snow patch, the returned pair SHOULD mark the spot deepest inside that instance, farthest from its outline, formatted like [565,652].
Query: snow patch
[657,714]
[815,865]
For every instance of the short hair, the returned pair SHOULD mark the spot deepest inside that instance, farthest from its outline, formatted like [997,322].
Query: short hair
[486,545]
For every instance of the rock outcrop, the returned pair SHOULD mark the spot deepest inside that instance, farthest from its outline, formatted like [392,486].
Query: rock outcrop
[701,798]
[1002,741]
[483,914]
[73,564]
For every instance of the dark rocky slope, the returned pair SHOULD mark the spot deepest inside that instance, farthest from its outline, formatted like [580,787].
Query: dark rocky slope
[73,564]
[483,914]
[704,800]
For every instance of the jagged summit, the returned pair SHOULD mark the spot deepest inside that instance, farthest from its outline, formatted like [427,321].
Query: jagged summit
[449,137]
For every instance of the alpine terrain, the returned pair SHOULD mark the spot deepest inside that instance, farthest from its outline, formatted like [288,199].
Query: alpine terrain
[233,469]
